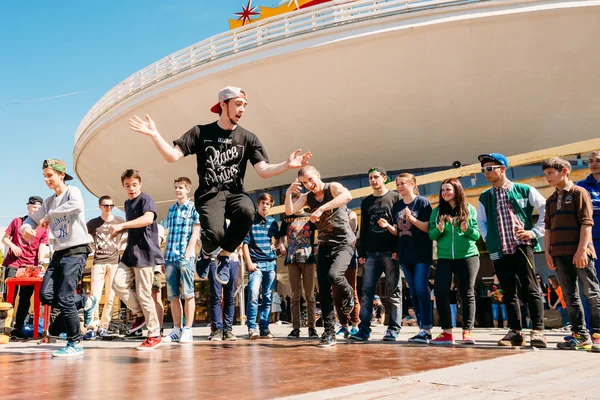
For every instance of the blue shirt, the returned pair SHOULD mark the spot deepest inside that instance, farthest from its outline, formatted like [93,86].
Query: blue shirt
[593,187]
[179,222]
[259,239]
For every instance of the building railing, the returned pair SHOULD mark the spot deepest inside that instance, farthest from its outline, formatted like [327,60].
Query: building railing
[256,34]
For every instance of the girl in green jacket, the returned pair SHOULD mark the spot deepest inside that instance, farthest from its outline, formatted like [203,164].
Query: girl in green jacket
[453,224]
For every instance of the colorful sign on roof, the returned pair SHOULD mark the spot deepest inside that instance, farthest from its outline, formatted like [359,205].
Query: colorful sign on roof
[250,14]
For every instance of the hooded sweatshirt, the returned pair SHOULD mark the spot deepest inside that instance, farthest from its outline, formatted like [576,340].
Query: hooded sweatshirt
[453,243]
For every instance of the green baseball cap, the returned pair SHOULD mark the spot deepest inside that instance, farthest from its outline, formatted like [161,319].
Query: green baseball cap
[58,166]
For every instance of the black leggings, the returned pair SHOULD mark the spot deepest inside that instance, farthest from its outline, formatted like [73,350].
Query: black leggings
[214,208]
[466,269]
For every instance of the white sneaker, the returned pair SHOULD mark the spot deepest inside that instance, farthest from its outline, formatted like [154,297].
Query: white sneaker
[186,336]
[174,336]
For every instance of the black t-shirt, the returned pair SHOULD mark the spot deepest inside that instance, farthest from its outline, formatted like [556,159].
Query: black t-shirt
[107,248]
[414,245]
[142,243]
[378,311]
[300,234]
[221,156]
[373,238]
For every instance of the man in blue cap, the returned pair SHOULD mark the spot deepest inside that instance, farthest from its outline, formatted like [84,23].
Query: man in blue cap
[505,220]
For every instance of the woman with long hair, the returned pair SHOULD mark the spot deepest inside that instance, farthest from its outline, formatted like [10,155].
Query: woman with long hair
[453,224]
[415,250]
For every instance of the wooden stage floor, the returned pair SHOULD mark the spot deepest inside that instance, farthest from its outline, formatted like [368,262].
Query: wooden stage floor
[245,369]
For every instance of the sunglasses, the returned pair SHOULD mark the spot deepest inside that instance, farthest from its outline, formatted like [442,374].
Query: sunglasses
[490,168]
[108,205]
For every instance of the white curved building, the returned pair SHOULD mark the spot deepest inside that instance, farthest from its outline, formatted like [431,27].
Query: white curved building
[402,84]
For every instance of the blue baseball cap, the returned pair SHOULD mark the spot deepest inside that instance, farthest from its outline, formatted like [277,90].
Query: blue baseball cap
[493,157]
[376,298]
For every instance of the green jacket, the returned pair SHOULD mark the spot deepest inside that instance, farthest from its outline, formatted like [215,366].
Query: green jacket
[524,199]
[453,243]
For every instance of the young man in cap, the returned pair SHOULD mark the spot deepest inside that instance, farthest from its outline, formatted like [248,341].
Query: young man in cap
[505,220]
[106,259]
[376,249]
[222,151]
[327,203]
[23,253]
[63,214]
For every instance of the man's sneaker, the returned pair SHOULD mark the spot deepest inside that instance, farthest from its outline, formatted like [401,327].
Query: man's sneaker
[90,335]
[513,339]
[343,332]
[348,304]
[102,333]
[150,343]
[138,324]
[467,339]
[228,336]
[18,334]
[173,336]
[576,342]
[223,271]
[252,334]
[421,337]
[390,335]
[203,264]
[217,335]
[88,311]
[362,335]
[312,333]
[327,340]
[266,334]
[294,334]
[353,330]
[186,335]
[537,339]
[595,343]
[443,339]
[70,350]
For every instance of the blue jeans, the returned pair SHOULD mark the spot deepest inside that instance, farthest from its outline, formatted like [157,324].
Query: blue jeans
[453,310]
[378,263]
[58,290]
[266,275]
[222,318]
[417,277]
[180,274]
[496,309]
[584,301]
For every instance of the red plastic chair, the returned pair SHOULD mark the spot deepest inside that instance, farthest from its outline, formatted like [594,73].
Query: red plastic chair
[37,284]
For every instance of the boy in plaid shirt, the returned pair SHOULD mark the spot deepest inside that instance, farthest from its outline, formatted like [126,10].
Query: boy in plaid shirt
[183,225]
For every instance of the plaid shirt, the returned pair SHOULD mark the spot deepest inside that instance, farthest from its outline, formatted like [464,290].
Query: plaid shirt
[508,222]
[179,222]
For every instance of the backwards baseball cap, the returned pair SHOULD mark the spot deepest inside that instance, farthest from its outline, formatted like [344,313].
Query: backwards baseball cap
[376,297]
[58,166]
[35,200]
[227,93]
[382,171]
[493,157]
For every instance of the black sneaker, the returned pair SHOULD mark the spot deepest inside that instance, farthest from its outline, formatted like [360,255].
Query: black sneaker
[266,334]
[17,334]
[312,333]
[348,304]
[576,342]
[294,334]
[537,339]
[203,265]
[513,339]
[223,271]
[228,336]
[217,336]
[421,337]
[327,340]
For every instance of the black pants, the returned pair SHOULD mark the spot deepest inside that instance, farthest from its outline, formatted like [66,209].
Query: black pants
[512,269]
[466,269]
[58,289]
[214,208]
[25,293]
[332,263]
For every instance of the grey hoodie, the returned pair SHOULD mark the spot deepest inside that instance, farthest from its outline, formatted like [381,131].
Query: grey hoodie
[67,221]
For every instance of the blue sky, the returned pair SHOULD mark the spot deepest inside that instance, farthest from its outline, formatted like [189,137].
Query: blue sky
[54,48]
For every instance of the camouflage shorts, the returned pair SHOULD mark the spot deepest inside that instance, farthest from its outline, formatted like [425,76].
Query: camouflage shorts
[157,283]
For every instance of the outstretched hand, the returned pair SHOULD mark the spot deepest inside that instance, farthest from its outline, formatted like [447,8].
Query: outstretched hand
[295,160]
[147,127]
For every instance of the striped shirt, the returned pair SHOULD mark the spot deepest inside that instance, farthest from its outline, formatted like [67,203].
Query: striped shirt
[508,222]
[259,238]
[566,211]
[179,223]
